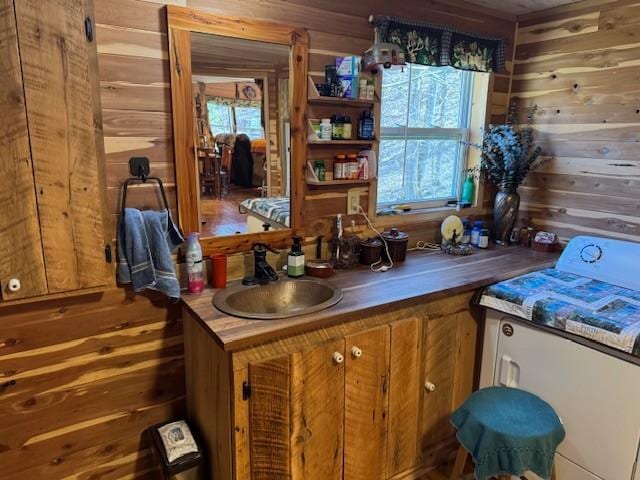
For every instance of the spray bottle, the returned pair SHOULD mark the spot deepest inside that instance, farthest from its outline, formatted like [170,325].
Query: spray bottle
[195,266]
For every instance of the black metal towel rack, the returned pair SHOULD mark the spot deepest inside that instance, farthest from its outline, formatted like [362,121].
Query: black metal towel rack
[139,168]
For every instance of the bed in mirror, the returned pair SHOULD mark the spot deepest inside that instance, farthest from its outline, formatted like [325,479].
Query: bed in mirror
[239,94]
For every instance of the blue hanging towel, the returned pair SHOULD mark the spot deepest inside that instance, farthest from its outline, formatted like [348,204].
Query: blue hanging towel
[146,240]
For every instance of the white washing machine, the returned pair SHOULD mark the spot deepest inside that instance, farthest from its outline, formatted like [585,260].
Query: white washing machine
[596,394]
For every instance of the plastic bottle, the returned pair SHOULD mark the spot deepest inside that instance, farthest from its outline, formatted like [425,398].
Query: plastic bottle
[325,129]
[366,126]
[320,170]
[295,260]
[339,167]
[363,167]
[193,255]
[483,239]
[468,189]
[336,121]
[352,167]
[346,128]
[371,161]
[475,232]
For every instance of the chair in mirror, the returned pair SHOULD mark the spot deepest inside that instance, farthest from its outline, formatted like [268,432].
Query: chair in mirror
[241,131]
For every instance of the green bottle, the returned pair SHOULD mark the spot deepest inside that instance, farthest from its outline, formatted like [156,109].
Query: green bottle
[468,189]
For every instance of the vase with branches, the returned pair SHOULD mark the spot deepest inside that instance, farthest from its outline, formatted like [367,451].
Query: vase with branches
[508,153]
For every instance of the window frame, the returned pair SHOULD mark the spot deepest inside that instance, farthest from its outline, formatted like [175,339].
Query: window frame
[233,122]
[425,133]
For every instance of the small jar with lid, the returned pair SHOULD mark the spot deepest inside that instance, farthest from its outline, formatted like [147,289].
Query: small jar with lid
[397,242]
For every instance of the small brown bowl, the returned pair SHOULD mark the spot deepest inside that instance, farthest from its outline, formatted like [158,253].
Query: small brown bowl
[319,269]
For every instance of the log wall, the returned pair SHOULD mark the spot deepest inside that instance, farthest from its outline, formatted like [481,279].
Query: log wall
[580,65]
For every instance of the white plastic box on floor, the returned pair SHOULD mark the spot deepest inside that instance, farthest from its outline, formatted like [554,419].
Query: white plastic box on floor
[596,395]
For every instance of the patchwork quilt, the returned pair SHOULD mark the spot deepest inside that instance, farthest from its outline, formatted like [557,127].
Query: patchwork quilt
[590,308]
[277,209]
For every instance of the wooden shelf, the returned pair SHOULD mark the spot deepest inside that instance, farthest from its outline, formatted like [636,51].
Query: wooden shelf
[342,102]
[341,142]
[337,182]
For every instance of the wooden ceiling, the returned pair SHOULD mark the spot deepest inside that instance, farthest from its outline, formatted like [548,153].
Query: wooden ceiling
[521,7]
[211,53]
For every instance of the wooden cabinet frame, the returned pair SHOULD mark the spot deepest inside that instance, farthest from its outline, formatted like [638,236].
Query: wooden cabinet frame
[181,22]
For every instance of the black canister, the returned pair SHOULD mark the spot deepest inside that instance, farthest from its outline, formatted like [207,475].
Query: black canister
[397,242]
[370,251]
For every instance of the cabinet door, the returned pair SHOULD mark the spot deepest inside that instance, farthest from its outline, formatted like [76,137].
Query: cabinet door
[366,402]
[405,392]
[296,415]
[448,357]
[269,419]
[59,85]
[317,412]
[20,244]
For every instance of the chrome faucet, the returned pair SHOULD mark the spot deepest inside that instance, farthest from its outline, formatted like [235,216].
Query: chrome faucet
[262,271]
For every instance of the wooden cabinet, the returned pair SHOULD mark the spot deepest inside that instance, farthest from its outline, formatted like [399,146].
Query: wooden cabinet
[369,399]
[51,182]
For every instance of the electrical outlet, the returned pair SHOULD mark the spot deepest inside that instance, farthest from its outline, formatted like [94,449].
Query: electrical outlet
[353,201]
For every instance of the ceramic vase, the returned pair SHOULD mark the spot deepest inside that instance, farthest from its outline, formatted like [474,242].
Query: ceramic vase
[505,212]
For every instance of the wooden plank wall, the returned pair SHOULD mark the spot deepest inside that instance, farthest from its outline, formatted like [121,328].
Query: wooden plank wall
[580,65]
[80,380]
[91,373]
[133,60]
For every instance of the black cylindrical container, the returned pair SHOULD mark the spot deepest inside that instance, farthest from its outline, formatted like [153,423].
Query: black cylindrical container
[370,251]
[397,242]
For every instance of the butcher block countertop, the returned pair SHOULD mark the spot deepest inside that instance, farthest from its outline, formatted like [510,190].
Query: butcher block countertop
[425,276]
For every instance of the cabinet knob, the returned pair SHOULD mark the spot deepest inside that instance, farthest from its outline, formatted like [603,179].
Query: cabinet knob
[356,352]
[429,387]
[338,357]
[13,285]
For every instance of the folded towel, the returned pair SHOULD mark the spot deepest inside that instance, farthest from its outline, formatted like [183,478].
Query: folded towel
[145,242]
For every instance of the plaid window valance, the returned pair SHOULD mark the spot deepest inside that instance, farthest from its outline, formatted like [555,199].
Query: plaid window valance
[437,45]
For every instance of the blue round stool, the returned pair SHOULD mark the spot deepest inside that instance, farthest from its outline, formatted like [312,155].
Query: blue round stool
[507,431]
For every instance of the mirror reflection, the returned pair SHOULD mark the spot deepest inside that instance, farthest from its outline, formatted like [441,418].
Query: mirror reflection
[241,103]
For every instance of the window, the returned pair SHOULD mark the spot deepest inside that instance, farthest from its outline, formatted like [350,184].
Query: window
[248,121]
[225,118]
[425,116]
[220,118]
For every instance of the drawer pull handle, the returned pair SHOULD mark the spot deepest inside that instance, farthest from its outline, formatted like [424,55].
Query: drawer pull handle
[429,387]
[13,285]
[338,358]
[356,352]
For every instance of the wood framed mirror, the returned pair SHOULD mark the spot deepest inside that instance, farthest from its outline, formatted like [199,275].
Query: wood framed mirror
[239,95]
